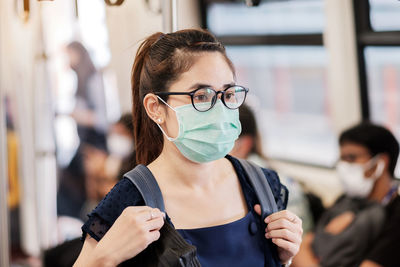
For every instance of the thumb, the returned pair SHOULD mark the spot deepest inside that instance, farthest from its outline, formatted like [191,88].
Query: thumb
[257,209]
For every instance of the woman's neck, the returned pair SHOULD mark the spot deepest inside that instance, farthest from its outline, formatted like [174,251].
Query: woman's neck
[175,167]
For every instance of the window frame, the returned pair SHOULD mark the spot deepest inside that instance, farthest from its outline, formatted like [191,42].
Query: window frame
[311,39]
[365,37]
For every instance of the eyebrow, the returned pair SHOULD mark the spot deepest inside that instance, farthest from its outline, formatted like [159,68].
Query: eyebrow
[203,85]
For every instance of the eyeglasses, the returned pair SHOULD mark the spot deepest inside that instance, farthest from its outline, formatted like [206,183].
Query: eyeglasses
[204,99]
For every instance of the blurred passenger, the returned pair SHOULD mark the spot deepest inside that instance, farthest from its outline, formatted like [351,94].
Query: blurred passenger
[103,170]
[90,116]
[90,107]
[18,256]
[349,230]
[120,144]
[74,187]
[249,146]
[13,198]
[385,251]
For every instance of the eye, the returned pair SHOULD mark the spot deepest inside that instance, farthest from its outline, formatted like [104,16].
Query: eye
[201,98]
[229,95]
[203,95]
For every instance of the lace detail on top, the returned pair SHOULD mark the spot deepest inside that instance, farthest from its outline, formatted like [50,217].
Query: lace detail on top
[279,191]
[96,227]
[121,196]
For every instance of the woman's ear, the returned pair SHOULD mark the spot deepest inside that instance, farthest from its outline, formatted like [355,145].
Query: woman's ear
[153,108]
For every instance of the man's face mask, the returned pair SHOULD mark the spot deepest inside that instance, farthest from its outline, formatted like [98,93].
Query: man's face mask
[353,179]
[119,145]
[205,136]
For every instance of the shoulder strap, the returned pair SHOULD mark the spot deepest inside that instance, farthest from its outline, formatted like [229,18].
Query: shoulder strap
[147,185]
[267,201]
[261,186]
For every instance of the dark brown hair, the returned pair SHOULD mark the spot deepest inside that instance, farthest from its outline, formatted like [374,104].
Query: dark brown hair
[160,60]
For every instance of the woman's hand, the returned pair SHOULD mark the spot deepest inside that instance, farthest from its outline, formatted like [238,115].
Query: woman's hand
[285,230]
[132,232]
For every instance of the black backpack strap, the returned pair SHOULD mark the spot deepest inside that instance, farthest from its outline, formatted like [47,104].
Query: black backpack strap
[171,249]
[261,187]
[268,205]
[147,185]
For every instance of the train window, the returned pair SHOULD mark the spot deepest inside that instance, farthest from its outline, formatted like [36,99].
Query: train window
[270,17]
[384,15]
[383,72]
[278,53]
[289,91]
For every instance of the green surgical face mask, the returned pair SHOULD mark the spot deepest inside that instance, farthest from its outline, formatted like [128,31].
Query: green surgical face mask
[205,136]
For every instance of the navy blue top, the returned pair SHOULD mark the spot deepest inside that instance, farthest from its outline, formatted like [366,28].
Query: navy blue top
[239,243]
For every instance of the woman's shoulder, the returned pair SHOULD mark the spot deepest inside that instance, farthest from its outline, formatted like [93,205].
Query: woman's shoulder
[121,196]
[280,191]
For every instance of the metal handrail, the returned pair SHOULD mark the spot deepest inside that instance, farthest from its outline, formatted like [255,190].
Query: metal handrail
[170,15]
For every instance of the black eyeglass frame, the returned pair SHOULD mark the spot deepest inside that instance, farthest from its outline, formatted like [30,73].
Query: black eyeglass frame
[192,93]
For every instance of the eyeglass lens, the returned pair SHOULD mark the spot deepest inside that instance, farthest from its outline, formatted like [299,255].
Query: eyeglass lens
[205,98]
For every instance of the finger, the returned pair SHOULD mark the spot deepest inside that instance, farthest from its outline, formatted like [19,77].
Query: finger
[154,236]
[283,223]
[284,234]
[156,213]
[149,214]
[135,209]
[290,216]
[257,209]
[155,224]
[286,245]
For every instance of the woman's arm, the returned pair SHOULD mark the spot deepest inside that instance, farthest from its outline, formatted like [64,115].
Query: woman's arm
[132,232]
[89,256]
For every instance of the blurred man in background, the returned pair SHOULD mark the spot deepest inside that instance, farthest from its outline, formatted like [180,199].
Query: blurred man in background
[348,232]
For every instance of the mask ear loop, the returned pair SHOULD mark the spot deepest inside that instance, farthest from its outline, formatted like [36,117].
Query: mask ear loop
[380,165]
[162,130]
[379,169]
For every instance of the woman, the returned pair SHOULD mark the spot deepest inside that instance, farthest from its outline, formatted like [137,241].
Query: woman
[186,120]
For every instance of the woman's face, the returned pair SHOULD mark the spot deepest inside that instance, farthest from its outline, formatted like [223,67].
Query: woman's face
[211,70]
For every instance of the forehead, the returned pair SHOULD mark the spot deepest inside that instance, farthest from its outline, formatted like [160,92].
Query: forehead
[353,148]
[208,68]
